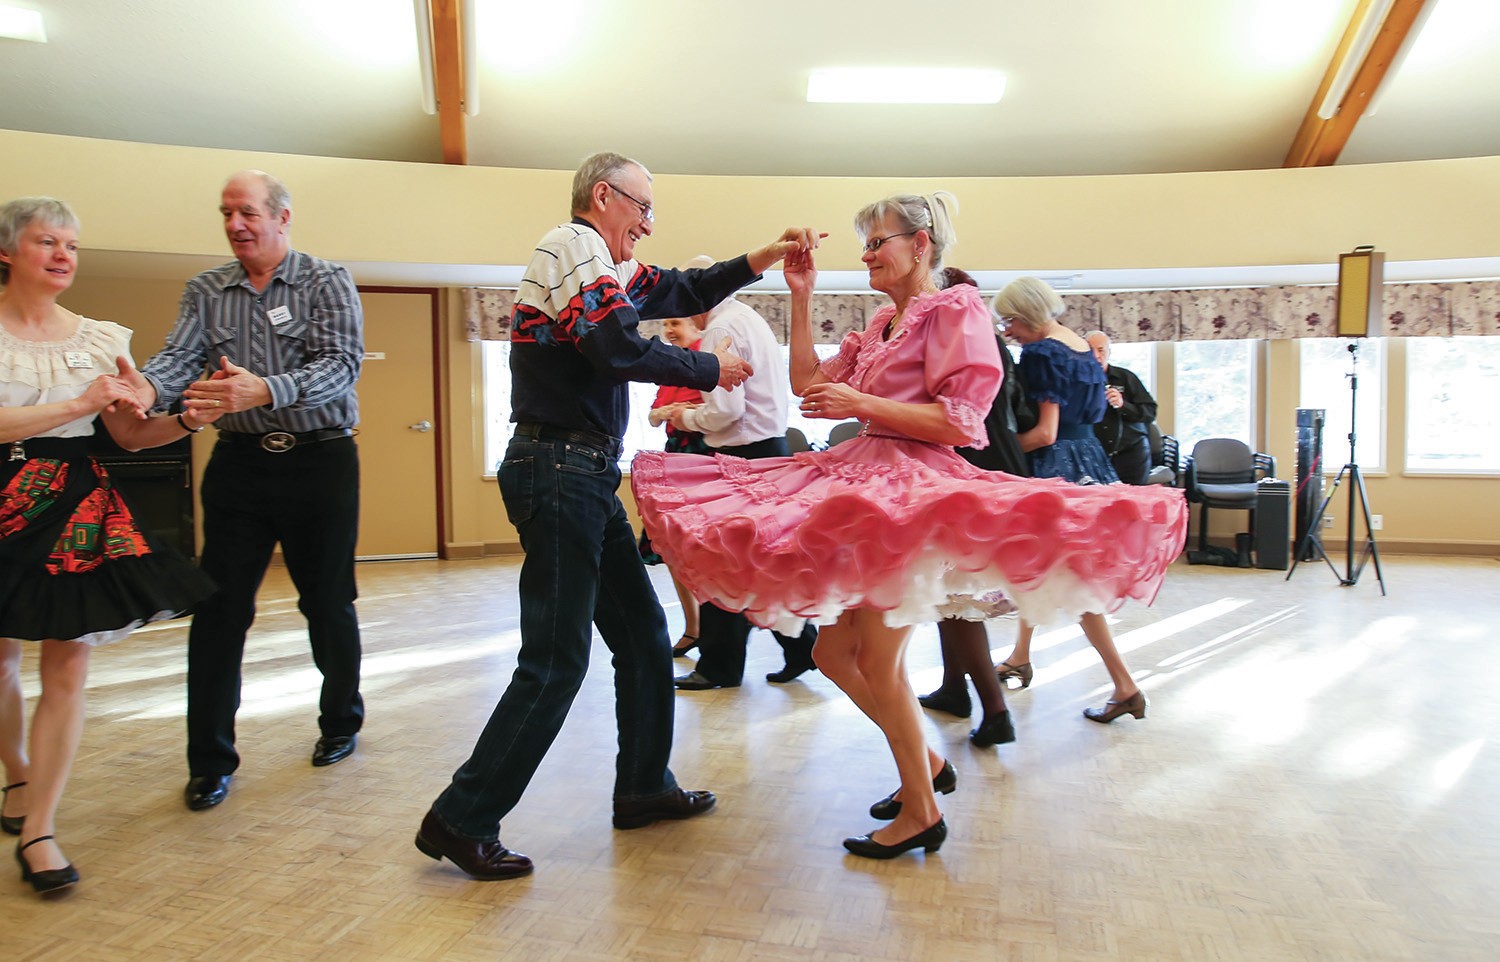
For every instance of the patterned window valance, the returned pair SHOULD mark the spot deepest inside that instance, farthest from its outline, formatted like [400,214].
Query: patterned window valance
[1273,313]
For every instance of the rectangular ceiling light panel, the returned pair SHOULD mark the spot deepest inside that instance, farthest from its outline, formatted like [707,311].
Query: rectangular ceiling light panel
[904,85]
[18,23]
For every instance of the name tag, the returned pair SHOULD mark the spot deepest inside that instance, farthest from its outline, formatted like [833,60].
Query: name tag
[279,315]
[78,359]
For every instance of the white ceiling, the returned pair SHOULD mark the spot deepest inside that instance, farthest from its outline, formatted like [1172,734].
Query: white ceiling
[715,87]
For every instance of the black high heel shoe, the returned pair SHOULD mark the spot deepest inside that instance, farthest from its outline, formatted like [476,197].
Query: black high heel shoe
[1005,671]
[1134,705]
[953,702]
[996,729]
[944,782]
[929,840]
[47,880]
[10,824]
[682,652]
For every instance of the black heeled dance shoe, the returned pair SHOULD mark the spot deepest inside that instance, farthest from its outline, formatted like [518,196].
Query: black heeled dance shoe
[996,729]
[1005,671]
[681,652]
[953,702]
[944,782]
[10,824]
[47,880]
[929,840]
[1134,705]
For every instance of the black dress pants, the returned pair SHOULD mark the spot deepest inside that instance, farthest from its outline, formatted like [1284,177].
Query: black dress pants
[308,500]
[1133,461]
[723,636]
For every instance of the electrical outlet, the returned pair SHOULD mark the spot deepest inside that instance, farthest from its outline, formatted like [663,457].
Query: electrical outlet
[1327,520]
[1377,522]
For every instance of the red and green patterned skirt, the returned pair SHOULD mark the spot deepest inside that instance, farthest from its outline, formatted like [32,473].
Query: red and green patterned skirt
[74,562]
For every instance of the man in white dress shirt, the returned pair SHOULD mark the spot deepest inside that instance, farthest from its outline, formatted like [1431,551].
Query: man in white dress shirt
[747,422]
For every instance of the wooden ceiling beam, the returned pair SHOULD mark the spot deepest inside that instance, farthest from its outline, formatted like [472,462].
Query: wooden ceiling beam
[448,68]
[1319,142]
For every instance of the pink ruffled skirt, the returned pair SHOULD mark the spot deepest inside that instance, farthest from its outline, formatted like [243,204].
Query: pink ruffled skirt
[902,526]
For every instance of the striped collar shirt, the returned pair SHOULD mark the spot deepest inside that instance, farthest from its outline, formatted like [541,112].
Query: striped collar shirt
[304,334]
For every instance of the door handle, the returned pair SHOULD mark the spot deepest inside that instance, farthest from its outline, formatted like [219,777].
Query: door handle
[423,425]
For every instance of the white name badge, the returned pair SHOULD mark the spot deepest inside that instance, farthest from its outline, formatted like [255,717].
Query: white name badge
[78,359]
[279,315]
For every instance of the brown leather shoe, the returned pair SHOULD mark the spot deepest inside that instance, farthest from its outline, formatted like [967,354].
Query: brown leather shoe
[486,861]
[640,812]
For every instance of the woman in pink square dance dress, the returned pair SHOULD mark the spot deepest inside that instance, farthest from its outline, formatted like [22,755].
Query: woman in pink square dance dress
[893,529]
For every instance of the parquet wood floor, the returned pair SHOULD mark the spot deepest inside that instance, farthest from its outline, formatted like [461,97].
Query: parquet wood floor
[1316,780]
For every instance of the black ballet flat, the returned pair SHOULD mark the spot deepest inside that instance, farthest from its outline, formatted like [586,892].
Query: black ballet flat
[953,702]
[10,824]
[48,880]
[930,840]
[996,729]
[944,782]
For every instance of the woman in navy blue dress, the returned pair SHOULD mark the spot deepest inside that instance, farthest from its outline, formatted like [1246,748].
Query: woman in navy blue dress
[1066,383]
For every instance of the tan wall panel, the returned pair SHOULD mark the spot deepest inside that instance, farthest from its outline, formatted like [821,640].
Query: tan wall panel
[425,213]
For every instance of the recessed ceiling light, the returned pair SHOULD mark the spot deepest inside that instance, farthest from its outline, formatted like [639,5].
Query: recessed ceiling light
[904,85]
[18,23]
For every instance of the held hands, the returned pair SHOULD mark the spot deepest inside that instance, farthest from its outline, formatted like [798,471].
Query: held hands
[832,401]
[675,414]
[792,240]
[801,273]
[114,393]
[230,388]
[733,369]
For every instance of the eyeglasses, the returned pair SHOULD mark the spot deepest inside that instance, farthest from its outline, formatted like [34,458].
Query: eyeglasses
[876,243]
[1004,321]
[646,213]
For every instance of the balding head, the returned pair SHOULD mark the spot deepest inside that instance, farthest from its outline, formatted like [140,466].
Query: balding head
[1099,344]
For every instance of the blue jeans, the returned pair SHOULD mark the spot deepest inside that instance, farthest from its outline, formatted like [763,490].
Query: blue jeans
[581,566]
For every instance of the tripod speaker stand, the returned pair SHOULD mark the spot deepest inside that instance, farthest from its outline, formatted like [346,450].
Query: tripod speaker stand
[1312,543]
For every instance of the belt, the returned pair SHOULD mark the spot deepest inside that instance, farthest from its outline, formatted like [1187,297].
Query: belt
[279,442]
[611,446]
[1074,432]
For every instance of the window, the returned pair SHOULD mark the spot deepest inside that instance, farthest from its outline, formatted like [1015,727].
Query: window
[640,435]
[1451,385]
[1139,358]
[1215,394]
[1326,364]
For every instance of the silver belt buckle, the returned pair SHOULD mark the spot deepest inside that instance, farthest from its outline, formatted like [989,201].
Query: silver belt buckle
[278,442]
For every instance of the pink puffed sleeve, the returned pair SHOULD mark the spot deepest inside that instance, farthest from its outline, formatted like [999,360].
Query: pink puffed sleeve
[840,367]
[962,360]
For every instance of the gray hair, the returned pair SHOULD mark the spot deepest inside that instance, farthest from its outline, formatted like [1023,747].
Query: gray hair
[1030,300]
[19,214]
[601,166]
[278,198]
[913,212]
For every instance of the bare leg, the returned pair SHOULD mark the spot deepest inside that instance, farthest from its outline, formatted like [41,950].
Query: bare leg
[838,654]
[1096,629]
[13,727]
[966,649]
[55,732]
[689,609]
[1021,653]
[881,663]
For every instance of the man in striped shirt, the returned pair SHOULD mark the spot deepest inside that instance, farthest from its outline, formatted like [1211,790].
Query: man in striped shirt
[276,339]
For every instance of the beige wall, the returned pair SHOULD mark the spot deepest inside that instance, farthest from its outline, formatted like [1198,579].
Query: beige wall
[143,197]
